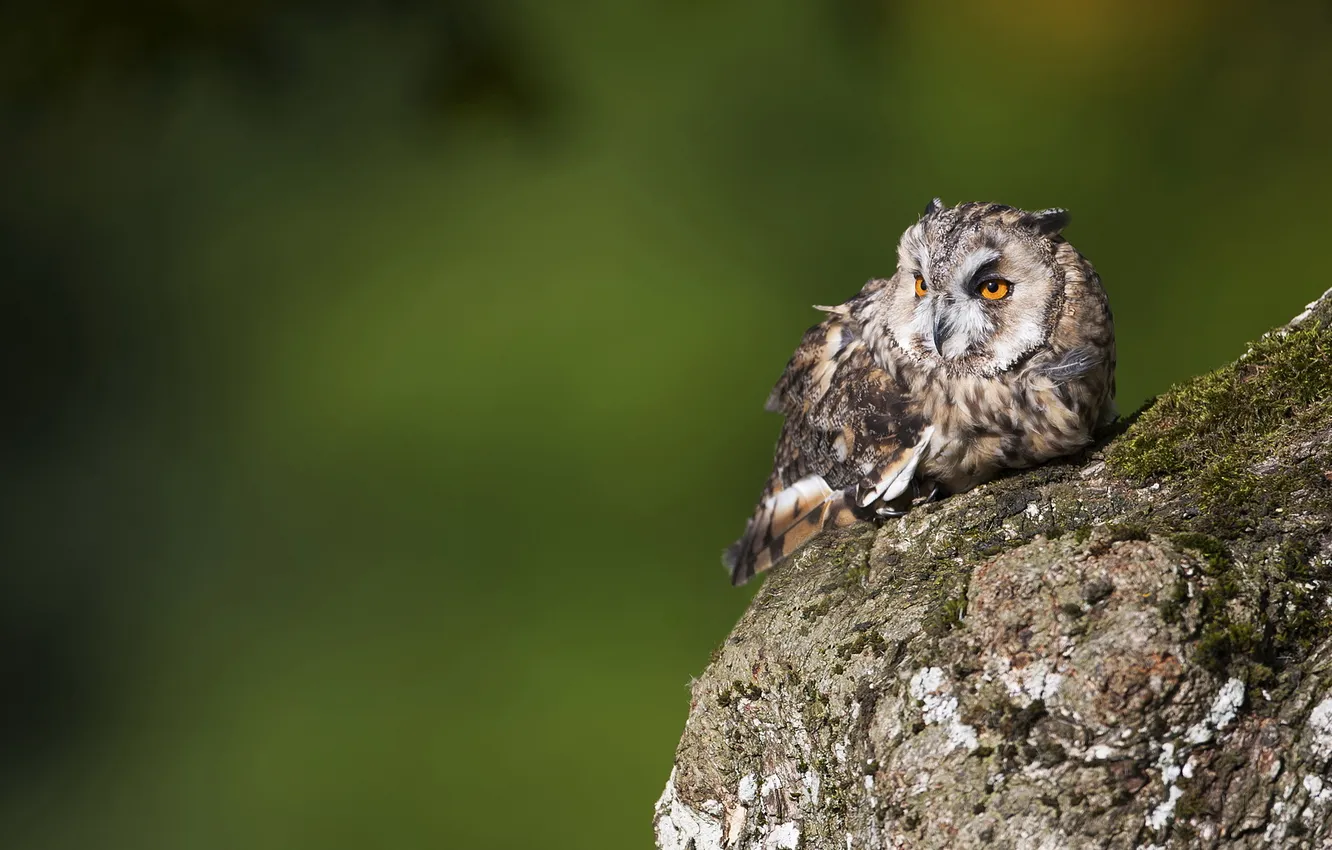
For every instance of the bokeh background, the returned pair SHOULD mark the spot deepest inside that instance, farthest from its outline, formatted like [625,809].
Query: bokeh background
[381,381]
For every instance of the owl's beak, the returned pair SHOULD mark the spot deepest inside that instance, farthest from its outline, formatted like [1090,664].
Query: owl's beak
[942,331]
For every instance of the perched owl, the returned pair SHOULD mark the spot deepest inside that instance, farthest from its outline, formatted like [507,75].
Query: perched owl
[991,348]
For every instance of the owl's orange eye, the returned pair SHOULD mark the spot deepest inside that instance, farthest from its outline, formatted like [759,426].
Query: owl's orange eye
[994,289]
[921,288]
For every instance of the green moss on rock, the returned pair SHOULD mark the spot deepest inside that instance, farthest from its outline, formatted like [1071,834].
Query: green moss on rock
[1240,449]
[947,616]
[816,610]
[1214,553]
[1255,617]
[869,639]
[1218,428]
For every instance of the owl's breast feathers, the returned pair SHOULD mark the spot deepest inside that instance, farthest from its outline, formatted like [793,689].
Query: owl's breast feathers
[852,438]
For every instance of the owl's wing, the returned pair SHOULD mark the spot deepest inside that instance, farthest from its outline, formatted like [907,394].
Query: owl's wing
[852,438]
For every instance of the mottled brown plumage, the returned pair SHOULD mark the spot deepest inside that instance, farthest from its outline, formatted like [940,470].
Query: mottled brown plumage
[991,347]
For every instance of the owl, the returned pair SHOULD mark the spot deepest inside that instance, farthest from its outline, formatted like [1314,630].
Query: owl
[992,347]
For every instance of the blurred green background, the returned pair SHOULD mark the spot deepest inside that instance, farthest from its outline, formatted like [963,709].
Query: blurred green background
[383,380]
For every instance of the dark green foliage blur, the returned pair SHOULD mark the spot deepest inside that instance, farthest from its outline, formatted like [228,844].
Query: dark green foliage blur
[383,381]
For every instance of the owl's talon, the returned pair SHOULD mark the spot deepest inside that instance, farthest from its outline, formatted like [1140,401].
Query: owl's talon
[893,508]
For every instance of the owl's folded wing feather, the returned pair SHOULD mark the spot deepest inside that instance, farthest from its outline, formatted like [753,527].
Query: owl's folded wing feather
[852,438]
[809,373]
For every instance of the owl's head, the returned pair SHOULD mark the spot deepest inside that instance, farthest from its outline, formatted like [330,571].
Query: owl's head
[978,288]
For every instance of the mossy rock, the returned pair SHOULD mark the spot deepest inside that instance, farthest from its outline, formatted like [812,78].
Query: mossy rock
[1131,647]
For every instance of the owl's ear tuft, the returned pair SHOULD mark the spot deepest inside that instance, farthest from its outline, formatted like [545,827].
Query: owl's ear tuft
[1049,222]
[932,207]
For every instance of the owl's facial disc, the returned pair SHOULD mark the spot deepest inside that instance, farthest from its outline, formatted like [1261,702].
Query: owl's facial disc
[977,288]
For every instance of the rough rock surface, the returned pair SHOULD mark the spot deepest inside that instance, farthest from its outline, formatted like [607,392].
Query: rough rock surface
[1132,648]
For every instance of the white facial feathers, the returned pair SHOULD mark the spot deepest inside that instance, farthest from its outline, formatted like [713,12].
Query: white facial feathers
[946,319]
[964,272]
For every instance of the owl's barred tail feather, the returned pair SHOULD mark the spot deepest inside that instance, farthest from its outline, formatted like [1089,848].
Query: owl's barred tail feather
[790,517]
[784,523]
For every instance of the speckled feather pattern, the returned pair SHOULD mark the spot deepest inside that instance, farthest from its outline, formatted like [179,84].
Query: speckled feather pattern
[898,396]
